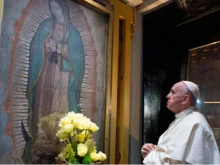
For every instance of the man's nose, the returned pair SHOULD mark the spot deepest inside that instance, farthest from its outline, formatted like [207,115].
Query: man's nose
[168,96]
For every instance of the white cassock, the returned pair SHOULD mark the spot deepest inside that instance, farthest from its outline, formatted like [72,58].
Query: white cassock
[189,139]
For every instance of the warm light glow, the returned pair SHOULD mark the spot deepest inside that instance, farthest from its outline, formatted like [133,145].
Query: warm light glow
[211,102]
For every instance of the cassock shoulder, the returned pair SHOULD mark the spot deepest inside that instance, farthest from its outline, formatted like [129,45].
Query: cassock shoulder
[196,119]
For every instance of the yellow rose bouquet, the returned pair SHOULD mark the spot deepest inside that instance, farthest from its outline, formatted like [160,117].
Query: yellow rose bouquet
[76,129]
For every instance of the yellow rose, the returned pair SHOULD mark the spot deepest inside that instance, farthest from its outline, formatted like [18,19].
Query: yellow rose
[68,128]
[77,123]
[101,156]
[71,134]
[71,115]
[78,116]
[85,123]
[65,120]
[94,127]
[94,156]
[82,136]
[62,135]
[82,149]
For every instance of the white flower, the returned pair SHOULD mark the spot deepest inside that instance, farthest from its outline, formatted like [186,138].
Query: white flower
[102,156]
[68,128]
[85,123]
[94,127]
[62,135]
[82,149]
[94,156]
[65,120]
[77,123]
[71,115]
[82,136]
[78,116]
[77,128]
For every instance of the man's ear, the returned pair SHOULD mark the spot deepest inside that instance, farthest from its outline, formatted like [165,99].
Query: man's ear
[185,99]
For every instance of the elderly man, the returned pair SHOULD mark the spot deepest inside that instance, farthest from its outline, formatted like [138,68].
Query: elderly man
[189,138]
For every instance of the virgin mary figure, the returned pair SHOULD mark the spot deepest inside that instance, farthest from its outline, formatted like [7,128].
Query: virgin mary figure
[57,66]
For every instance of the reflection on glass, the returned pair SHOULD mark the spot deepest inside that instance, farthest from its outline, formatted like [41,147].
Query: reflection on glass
[205,71]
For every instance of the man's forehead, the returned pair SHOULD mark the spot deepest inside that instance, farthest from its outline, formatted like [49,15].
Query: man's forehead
[177,86]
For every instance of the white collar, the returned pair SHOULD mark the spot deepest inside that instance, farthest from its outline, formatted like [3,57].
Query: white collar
[185,112]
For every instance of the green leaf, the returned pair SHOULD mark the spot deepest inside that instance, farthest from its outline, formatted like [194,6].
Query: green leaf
[68,154]
[86,160]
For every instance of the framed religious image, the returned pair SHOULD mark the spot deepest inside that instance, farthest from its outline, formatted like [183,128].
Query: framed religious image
[204,70]
[59,61]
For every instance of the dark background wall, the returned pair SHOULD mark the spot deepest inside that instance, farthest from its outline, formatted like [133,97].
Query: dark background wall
[167,37]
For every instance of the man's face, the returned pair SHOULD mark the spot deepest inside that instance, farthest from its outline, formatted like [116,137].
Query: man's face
[175,98]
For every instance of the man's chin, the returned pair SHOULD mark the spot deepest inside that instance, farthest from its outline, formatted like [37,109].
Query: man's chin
[170,108]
